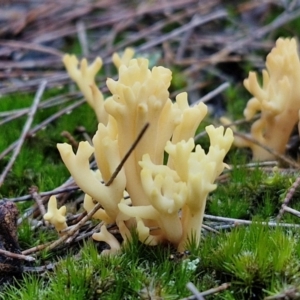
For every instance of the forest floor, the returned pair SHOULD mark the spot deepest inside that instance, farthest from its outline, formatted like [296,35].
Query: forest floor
[250,246]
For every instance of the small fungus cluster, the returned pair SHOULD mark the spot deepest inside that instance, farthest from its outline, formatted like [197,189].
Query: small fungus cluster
[166,201]
[278,101]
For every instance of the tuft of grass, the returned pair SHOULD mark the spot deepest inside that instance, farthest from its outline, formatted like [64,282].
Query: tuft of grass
[252,258]
[30,288]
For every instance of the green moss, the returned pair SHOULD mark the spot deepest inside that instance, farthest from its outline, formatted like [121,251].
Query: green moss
[179,81]
[46,170]
[235,101]
[248,193]
[129,275]
[29,238]
[252,258]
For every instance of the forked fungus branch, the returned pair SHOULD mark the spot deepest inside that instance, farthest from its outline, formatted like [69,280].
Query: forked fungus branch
[170,198]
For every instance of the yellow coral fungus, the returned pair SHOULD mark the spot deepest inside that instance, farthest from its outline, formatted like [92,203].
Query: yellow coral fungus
[278,100]
[56,216]
[157,192]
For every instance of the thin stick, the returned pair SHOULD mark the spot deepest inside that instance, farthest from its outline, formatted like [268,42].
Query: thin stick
[74,229]
[242,42]
[70,138]
[67,186]
[181,30]
[213,93]
[215,290]
[288,198]
[51,102]
[247,222]
[208,228]
[194,290]
[82,130]
[184,40]
[38,199]
[25,131]
[40,269]
[31,46]
[155,28]
[82,37]
[27,214]
[42,194]
[237,122]
[36,248]
[291,211]
[78,238]
[12,117]
[16,255]
[121,164]
[272,151]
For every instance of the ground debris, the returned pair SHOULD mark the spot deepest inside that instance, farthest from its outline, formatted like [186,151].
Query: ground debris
[9,266]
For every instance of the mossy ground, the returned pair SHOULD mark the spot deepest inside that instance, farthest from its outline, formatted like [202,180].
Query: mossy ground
[257,260]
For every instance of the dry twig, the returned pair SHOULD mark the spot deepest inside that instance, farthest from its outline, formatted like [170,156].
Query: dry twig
[200,295]
[16,255]
[34,193]
[287,199]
